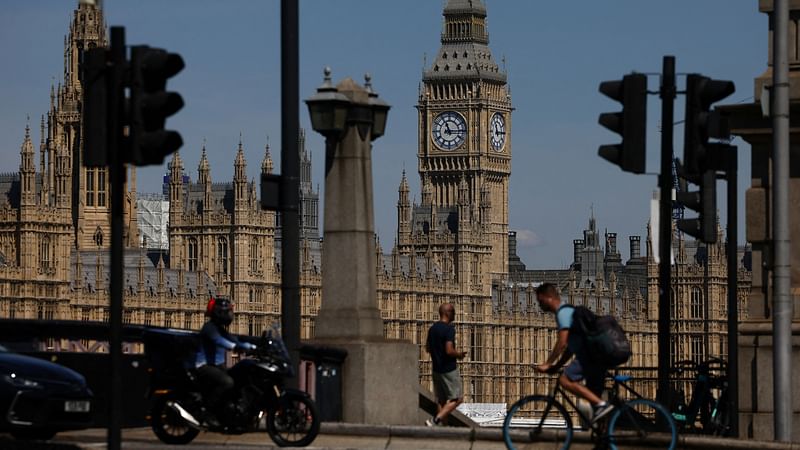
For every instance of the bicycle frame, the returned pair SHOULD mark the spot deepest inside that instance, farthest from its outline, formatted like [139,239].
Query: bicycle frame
[613,395]
[557,389]
[703,405]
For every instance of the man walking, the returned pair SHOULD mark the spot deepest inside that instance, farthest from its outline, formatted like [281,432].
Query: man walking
[441,344]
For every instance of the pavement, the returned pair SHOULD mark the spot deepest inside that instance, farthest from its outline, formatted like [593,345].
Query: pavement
[342,436]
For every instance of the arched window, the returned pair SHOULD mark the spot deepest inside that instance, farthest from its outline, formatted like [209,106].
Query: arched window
[254,254]
[98,237]
[45,257]
[101,187]
[96,187]
[696,303]
[90,190]
[673,301]
[192,253]
[222,255]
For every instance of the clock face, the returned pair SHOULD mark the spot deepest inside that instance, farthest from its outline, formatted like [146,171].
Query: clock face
[497,132]
[449,130]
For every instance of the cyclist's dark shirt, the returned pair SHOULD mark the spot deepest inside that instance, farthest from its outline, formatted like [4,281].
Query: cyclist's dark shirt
[438,335]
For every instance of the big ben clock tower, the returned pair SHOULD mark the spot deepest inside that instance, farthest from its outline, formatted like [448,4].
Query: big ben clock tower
[465,128]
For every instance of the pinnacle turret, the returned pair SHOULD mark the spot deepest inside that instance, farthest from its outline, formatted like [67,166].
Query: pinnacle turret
[465,44]
[403,189]
[203,169]
[176,167]
[266,163]
[240,165]
[27,152]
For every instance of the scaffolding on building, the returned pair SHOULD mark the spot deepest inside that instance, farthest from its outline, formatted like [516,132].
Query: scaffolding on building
[153,218]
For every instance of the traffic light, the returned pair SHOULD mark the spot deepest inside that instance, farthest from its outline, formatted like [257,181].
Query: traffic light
[150,105]
[95,107]
[704,201]
[702,123]
[630,123]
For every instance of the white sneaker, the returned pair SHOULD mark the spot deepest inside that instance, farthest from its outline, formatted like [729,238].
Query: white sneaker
[601,411]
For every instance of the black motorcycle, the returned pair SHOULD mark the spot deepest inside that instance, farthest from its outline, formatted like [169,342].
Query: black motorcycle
[258,401]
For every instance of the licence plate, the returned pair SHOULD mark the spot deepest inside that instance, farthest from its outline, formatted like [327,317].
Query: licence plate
[76,406]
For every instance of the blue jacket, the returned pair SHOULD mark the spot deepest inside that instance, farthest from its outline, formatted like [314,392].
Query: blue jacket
[215,341]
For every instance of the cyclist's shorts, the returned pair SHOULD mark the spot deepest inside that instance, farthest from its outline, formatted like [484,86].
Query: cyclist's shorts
[594,375]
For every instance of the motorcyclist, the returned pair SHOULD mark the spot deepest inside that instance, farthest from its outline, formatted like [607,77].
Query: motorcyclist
[210,361]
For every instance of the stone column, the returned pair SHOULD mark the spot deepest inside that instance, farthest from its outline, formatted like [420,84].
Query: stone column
[380,376]
[349,308]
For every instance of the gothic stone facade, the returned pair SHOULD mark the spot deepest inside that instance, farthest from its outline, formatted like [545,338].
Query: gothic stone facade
[454,246]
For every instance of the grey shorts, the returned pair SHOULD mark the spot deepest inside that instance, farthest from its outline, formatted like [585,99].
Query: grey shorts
[447,386]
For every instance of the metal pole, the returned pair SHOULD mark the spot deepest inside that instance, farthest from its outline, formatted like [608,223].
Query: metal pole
[667,94]
[290,179]
[117,178]
[733,294]
[781,281]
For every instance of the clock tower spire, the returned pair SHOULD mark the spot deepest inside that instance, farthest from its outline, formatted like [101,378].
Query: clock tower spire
[464,114]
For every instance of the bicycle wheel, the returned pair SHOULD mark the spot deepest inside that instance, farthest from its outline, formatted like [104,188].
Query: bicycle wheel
[642,420]
[536,420]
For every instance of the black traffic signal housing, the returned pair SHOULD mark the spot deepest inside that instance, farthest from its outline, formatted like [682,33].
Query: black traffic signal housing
[95,76]
[701,123]
[150,105]
[704,201]
[630,123]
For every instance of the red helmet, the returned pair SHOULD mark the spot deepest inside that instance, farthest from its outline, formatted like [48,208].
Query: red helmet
[220,310]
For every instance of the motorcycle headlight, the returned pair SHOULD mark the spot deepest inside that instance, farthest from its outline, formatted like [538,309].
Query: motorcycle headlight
[21,382]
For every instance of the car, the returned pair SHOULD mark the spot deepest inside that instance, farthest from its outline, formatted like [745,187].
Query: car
[39,398]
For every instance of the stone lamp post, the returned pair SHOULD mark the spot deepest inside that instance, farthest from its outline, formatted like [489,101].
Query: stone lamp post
[380,376]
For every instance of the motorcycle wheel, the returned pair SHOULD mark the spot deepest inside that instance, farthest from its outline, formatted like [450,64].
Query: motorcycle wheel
[168,425]
[295,421]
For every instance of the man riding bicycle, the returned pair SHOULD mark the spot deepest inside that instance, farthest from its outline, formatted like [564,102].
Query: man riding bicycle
[582,367]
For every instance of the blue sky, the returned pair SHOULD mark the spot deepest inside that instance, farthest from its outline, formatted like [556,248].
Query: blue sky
[556,55]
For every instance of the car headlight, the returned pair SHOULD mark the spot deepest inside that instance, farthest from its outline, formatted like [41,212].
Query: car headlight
[21,382]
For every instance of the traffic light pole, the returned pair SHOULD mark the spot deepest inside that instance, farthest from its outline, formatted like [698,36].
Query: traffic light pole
[782,306]
[117,177]
[290,180]
[733,294]
[667,93]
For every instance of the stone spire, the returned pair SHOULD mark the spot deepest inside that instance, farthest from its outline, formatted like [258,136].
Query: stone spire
[403,209]
[43,168]
[403,189]
[203,170]
[27,169]
[175,186]
[465,44]
[240,191]
[240,165]
[266,163]
[204,178]
[87,30]
[305,163]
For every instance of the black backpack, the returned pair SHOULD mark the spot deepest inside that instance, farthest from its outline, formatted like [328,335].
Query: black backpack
[604,339]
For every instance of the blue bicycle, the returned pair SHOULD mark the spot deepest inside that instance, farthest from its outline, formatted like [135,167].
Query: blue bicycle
[635,419]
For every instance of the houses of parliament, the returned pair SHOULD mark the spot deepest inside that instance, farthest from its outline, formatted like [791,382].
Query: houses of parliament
[454,246]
